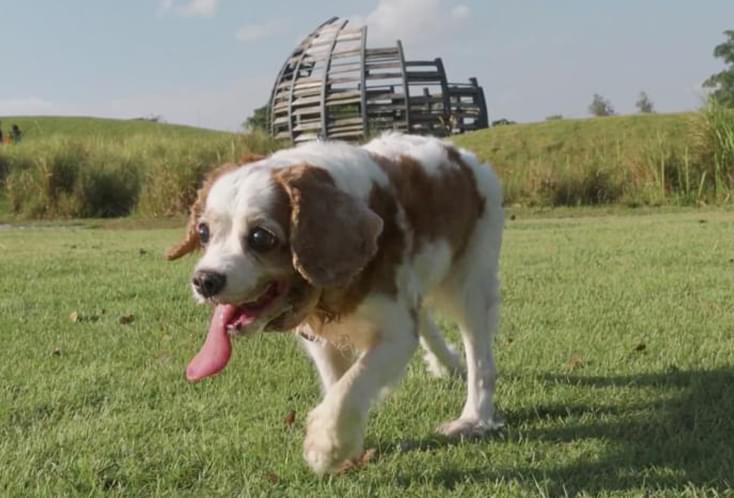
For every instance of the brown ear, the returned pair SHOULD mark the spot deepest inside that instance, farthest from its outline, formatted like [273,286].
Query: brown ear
[333,235]
[190,241]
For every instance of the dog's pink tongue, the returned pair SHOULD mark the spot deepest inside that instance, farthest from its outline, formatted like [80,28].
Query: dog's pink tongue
[215,352]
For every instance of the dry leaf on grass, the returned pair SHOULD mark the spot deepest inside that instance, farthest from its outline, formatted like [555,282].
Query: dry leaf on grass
[575,362]
[77,317]
[366,457]
[290,419]
[272,477]
[126,319]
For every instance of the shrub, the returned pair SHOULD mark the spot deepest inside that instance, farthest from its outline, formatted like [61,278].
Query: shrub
[713,149]
[101,177]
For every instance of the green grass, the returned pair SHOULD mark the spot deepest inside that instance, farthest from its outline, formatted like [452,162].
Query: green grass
[91,167]
[41,127]
[644,159]
[616,361]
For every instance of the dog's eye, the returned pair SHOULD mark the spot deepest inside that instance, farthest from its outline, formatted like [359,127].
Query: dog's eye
[261,240]
[203,231]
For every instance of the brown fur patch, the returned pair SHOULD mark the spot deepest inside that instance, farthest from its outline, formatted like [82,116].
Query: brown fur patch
[380,274]
[437,206]
[332,235]
[190,241]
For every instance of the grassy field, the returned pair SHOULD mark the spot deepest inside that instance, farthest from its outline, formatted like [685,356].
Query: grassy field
[42,127]
[69,167]
[616,361]
[90,167]
[643,159]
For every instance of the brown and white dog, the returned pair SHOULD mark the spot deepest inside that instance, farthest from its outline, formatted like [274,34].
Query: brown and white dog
[353,248]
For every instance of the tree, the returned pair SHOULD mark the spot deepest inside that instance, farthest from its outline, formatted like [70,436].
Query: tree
[600,106]
[644,104]
[722,84]
[259,120]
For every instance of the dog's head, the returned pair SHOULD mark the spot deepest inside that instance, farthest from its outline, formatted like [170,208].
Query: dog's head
[273,239]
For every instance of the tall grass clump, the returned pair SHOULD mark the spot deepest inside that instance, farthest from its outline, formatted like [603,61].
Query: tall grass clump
[173,171]
[635,160]
[103,177]
[713,143]
[69,178]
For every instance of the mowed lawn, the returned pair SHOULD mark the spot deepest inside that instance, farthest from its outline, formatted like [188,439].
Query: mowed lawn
[616,363]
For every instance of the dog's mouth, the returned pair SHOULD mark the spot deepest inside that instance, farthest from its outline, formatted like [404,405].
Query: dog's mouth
[228,320]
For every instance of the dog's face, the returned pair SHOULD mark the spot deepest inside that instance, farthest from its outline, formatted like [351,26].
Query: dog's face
[247,261]
[272,240]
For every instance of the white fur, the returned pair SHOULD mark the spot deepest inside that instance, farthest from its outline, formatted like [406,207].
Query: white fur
[360,354]
[430,152]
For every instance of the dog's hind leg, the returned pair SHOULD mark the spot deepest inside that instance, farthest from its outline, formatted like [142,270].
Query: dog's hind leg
[476,309]
[440,357]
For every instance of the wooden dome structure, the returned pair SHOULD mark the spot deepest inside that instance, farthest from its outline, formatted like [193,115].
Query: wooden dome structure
[334,86]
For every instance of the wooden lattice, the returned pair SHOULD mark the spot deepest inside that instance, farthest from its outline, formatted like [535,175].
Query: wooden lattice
[333,86]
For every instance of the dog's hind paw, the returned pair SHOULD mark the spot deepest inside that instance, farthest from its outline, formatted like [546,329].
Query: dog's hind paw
[470,427]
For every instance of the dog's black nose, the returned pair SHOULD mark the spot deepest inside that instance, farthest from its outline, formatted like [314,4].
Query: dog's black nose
[208,283]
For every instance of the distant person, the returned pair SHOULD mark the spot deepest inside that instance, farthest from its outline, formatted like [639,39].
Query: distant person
[15,134]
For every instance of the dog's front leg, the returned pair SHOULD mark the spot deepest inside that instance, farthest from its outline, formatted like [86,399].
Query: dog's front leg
[335,428]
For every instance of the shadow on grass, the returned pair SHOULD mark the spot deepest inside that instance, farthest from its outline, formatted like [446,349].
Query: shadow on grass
[678,436]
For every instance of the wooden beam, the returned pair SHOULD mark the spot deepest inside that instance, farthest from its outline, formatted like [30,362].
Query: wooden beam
[325,78]
[405,85]
[362,85]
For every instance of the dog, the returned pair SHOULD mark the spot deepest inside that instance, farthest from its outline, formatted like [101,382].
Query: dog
[353,248]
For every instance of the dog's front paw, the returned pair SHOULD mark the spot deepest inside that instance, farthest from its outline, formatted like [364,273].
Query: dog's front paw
[470,427]
[332,438]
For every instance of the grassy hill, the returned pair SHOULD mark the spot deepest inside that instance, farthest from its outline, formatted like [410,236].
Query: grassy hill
[636,159]
[521,144]
[40,127]
[68,167]
[76,166]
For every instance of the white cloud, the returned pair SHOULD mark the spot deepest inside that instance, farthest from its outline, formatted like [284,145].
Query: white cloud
[411,21]
[460,12]
[253,32]
[190,8]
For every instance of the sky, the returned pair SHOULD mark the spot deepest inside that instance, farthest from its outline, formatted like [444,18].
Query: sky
[209,63]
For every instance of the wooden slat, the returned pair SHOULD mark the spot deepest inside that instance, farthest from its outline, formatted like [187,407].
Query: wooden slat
[381,51]
[347,134]
[421,63]
[308,126]
[306,101]
[343,122]
[353,100]
[384,96]
[345,53]
[343,79]
[307,110]
[346,70]
[305,137]
[422,76]
[333,97]
[383,76]
[385,108]
[382,65]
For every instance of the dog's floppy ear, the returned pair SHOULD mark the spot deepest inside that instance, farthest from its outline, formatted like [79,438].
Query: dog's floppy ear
[190,241]
[332,235]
